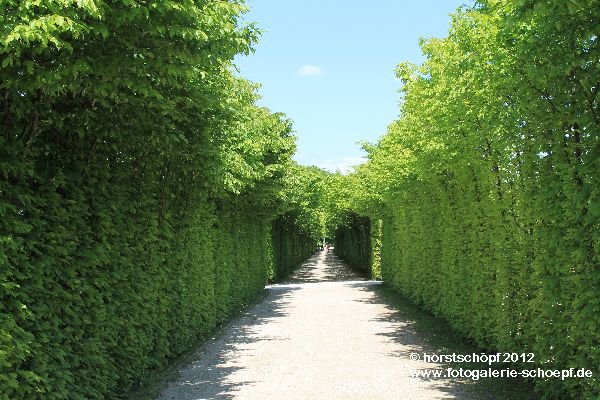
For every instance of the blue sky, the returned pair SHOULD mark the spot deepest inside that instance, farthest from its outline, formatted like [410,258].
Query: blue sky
[329,66]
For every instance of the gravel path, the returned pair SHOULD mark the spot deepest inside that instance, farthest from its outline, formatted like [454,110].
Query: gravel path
[324,334]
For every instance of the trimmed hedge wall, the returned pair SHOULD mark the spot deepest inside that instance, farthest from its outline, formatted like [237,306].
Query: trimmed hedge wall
[291,246]
[104,289]
[508,289]
[352,242]
[138,184]
[488,185]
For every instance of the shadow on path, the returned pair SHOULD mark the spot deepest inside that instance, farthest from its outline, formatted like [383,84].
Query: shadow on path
[207,377]
[418,331]
[327,332]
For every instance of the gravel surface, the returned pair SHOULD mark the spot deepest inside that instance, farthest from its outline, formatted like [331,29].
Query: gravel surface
[323,334]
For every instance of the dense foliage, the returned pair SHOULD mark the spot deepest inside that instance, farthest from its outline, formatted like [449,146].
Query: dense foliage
[139,187]
[291,245]
[297,230]
[353,243]
[488,186]
[304,222]
[144,196]
[351,207]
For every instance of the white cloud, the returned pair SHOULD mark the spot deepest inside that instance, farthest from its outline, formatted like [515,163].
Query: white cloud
[342,164]
[310,70]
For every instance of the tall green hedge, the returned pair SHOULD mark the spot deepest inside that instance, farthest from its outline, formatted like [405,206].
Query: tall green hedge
[297,230]
[352,242]
[138,185]
[291,245]
[488,185]
[93,308]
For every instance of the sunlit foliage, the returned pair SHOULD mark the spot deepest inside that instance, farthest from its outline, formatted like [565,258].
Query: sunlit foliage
[139,184]
[488,186]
